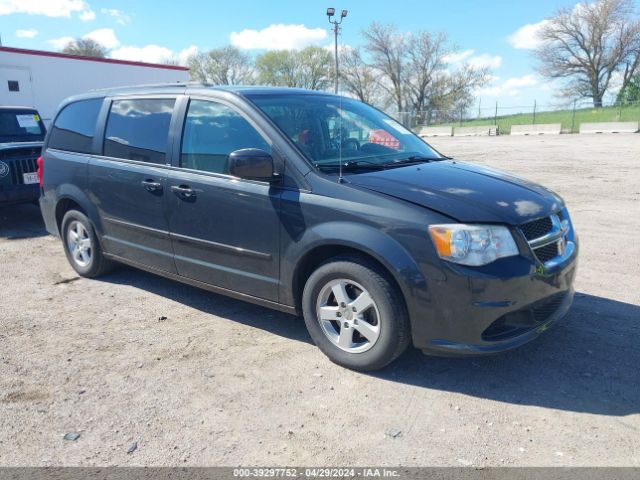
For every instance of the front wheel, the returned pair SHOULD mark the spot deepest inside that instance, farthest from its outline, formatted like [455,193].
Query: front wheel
[355,314]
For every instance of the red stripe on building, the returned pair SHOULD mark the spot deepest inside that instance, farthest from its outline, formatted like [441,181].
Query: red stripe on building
[42,53]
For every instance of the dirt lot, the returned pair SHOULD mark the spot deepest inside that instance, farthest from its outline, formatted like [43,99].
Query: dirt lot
[221,382]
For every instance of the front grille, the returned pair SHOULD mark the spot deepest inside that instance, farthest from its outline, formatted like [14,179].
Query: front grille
[20,161]
[522,321]
[547,252]
[18,167]
[544,235]
[544,311]
[537,228]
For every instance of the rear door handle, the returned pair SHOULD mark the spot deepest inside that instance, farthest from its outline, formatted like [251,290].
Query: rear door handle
[183,191]
[151,185]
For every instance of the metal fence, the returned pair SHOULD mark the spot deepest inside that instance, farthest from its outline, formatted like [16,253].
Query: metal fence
[570,116]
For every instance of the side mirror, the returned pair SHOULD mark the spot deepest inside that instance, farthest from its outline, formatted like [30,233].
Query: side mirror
[252,164]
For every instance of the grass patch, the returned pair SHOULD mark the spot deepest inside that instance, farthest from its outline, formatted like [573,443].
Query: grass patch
[564,117]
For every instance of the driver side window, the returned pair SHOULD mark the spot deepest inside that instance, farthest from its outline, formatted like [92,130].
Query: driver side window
[211,132]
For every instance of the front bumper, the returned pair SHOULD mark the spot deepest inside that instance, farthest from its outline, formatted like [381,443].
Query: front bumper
[499,307]
[19,194]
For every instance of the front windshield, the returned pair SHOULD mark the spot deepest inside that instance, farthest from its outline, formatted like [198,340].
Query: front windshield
[327,130]
[20,126]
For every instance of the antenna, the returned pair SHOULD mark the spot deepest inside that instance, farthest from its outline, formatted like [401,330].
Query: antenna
[336,30]
[340,179]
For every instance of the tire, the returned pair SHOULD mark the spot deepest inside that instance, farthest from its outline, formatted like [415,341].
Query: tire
[86,258]
[363,339]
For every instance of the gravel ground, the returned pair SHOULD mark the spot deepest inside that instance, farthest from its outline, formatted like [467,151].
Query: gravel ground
[199,379]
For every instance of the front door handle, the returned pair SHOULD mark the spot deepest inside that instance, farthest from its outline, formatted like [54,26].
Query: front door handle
[183,191]
[151,185]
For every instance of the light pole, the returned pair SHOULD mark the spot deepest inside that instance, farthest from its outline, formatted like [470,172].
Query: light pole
[336,28]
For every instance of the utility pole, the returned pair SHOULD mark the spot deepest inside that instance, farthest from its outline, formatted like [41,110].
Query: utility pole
[336,29]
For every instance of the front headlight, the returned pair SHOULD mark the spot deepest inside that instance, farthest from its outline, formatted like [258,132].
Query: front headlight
[472,244]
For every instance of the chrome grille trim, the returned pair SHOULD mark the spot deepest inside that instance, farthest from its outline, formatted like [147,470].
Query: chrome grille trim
[557,234]
[558,230]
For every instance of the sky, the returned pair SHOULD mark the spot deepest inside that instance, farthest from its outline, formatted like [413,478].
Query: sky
[499,34]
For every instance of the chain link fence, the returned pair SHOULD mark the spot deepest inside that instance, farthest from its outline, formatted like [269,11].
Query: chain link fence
[570,116]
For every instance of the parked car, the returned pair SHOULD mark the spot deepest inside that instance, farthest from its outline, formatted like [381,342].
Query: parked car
[311,204]
[21,136]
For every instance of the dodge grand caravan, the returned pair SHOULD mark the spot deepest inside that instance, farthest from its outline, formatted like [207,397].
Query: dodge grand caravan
[310,204]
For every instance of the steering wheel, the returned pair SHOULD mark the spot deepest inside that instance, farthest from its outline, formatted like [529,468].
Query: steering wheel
[348,141]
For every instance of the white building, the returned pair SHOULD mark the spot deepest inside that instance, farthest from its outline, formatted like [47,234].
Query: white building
[40,79]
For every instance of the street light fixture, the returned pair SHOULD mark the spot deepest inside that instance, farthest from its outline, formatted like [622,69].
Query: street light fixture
[336,28]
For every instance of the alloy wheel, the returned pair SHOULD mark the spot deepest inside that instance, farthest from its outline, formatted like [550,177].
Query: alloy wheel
[348,316]
[79,244]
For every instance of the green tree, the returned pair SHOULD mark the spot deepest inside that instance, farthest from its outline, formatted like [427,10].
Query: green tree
[309,68]
[630,93]
[86,48]
[221,66]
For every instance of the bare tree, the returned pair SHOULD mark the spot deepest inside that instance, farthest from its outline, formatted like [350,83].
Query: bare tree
[357,76]
[221,66]
[386,48]
[586,45]
[85,47]
[413,70]
[172,60]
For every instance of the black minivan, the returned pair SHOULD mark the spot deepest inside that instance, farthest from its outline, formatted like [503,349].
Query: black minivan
[311,204]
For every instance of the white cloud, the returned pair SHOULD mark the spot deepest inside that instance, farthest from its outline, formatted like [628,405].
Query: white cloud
[152,53]
[88,15]
[528,80]
[478,61]
[30,33]
[511,87]
[458,57]
[104,36]
[278,37]
[60,43]
[120,17]
[527,37]
[485,60]
[148,53]
[184,55]
[49,8]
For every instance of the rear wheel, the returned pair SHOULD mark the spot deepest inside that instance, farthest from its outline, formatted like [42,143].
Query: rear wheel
[355,314]
[81,245]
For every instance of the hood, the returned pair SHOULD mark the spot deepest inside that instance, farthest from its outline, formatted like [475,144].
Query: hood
[465,192]
[14,145]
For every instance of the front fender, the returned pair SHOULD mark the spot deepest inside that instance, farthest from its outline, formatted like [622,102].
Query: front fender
[366,239]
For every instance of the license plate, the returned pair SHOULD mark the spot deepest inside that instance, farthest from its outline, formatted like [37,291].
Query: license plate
[30,178]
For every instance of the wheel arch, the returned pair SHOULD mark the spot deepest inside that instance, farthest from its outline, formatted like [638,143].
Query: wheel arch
[369,243]
[70,197]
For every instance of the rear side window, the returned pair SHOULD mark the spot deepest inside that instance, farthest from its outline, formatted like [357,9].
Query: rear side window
[75,126]
[138,129]
[211,132]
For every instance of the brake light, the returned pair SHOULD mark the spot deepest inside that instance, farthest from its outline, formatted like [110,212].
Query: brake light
[39,163]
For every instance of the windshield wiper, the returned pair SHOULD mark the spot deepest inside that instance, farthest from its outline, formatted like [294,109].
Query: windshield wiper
[413,159]
[353,165]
